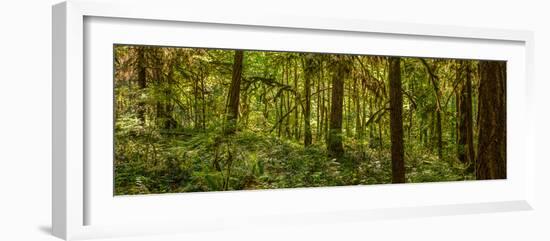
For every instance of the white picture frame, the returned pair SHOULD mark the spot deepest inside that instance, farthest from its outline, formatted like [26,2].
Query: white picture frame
[77,195]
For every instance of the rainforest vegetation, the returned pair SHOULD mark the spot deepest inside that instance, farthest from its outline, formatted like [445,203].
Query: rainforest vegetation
[195,119]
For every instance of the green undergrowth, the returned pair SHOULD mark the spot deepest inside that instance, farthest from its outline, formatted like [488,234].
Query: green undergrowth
[197,161]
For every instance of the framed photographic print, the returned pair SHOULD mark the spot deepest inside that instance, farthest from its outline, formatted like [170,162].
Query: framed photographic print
[174,120]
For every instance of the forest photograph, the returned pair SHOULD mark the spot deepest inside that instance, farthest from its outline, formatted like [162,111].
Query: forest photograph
[202,119]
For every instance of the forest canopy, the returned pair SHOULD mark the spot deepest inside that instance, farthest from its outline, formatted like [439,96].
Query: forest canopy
[196,119]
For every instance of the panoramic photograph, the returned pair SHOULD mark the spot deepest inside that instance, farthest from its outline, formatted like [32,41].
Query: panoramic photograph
[201,119]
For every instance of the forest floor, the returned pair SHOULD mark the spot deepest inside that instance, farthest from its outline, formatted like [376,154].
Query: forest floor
[193,161]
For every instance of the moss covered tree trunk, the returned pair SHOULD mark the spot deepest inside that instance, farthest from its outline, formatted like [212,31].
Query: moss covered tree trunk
[308,73]
[491,159]
[234,93]
[334,143]
[396,121]
[434,79]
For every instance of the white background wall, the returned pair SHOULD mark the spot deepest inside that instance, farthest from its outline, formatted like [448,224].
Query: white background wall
[25,118]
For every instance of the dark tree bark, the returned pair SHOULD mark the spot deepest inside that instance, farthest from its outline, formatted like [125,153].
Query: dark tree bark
[142,82]
[334,144]
[319,119]
[308,74]
[491,157]
[396,121]
[234,93]
[466,151]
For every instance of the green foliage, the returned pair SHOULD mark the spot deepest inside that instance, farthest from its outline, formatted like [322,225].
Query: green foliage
[171,110]
[258,161]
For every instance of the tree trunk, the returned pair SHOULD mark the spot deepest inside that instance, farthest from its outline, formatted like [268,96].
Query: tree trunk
[358,125]
[396,121]
[196,117]
[142,83]
[438,129]
[348,111]
[335,145]
[295,122]
[439,135]
[203,100]
[162,82]
[234,93]
[328,107]
[465,130]
[319,119]
[491,159]
[288,130]
[169,121]
[308,73]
